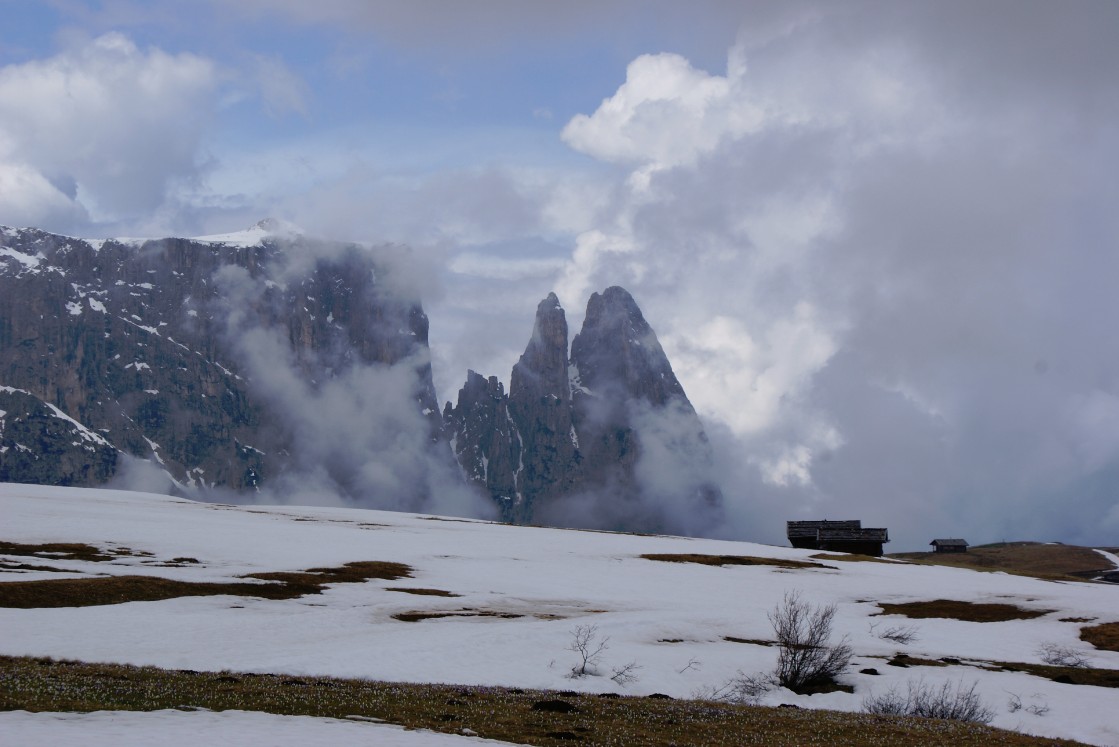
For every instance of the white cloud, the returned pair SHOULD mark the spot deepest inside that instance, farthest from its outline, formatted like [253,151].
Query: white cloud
[28,199]
[666,114]
[118,123]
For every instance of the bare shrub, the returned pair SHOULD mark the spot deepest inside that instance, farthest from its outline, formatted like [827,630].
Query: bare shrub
[806,657]
[625,674]
[950,701]
[585,644]
[1057,655]
[1015,704]
[746,689]
[902,634]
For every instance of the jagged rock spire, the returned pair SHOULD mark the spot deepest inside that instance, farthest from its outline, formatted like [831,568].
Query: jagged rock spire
[582,442]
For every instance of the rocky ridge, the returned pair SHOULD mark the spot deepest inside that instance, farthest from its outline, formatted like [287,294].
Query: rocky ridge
[144,345]
[575,440]
[231,362]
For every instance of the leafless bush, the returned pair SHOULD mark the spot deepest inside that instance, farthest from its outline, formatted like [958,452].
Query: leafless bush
[745,689]
[625,674]
[1057,655]
[806,656]
[950,701]
[585,644]
[1015,704]
[902,634]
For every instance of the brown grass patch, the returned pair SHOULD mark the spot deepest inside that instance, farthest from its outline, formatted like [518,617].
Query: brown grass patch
[751,641]
[7,566]
[89,592]
[1066,675]
[1104,636]
[418,616]
[493,712]
[1049,562]
[957,610]
[848,558]
[423,592]
[905,660]
[56,551]
[722,560]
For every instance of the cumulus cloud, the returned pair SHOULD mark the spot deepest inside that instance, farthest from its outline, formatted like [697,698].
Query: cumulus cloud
[877,274]
[666,114]
[109,125]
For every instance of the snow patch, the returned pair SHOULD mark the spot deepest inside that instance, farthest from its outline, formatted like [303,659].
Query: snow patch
[29,261]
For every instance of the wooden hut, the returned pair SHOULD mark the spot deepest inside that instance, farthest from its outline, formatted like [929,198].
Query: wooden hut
[949,545]
[837,536]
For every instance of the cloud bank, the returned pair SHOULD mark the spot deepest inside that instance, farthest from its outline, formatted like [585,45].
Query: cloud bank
[879,282]
[100,131]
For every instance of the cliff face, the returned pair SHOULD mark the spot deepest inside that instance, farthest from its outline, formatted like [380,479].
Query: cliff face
[607,438]
[155,346]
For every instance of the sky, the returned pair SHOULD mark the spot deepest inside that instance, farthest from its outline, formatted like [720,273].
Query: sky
[876,239]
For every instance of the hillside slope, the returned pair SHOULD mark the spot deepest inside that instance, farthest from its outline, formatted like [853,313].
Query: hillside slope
[495,604]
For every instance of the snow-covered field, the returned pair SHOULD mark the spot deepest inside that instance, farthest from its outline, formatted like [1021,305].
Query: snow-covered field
[672,619]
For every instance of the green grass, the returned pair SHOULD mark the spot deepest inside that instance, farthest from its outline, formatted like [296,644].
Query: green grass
[956,610]
[722,560]
[524,717]
[101,590]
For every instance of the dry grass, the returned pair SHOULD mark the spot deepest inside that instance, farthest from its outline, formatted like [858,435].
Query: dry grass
[956,610]
[905,660]
[57,551]
[1065,675]
[494,713]
[847,557]
[1050,562]
[1104,636]
[423,592]
[89,592]
[417,616]
[722,560]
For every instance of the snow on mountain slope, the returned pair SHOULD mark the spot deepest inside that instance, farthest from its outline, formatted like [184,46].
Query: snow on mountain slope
[522,591]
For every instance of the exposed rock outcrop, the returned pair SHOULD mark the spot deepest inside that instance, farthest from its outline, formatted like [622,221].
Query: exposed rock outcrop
[163,348]
[606,439]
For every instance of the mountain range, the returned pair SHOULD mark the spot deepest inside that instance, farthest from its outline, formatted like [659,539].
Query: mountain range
[265,360]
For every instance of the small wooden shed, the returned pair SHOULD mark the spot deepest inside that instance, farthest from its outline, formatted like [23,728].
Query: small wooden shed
[949,545]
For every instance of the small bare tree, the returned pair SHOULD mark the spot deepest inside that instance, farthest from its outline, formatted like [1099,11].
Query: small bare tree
[585,644]
[806,656]
[625,674]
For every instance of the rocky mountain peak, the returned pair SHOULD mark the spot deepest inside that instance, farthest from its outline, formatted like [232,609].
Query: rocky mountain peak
[542,369]
[617,354]
[580,450]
